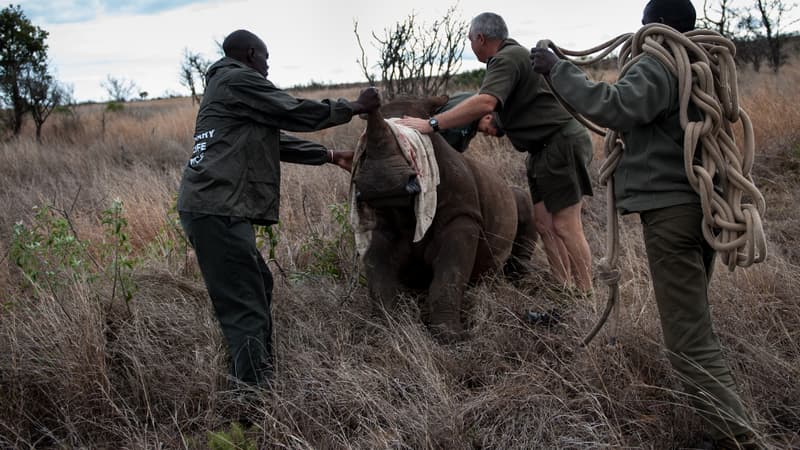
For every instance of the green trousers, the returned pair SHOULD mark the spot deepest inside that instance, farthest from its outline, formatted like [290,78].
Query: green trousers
[240,286]
[681,264]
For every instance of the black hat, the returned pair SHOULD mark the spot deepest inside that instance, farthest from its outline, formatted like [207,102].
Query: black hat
[678,14]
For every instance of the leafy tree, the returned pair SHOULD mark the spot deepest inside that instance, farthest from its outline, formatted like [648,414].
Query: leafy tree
[23,52]
[470,80]
[418,59]
[43,94]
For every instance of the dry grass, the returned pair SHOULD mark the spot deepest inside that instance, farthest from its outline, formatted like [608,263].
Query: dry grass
[80,370]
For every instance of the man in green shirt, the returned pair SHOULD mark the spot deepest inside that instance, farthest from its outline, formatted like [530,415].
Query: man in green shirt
[232,182]
[651,180]
[559,148]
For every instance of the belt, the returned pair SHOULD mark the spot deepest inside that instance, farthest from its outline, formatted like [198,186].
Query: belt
[568,129]
[537,146]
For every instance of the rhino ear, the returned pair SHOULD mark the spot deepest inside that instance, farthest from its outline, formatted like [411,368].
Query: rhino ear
[436,102]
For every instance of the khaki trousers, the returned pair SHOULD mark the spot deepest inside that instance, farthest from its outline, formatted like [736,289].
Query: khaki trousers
[681,264]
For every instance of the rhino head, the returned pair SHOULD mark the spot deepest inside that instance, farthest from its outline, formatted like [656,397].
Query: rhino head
[414,106]
[384,177]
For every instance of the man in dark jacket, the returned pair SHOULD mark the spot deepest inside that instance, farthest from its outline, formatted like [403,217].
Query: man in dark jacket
[232,181]
[651,180]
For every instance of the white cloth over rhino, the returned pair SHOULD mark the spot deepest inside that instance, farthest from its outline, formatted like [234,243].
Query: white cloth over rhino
[418,151]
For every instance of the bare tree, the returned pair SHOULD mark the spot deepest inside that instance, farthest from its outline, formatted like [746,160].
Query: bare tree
[773,13]
[194,67]
[766,21]
[363,60]
[119,89]
[723,13]
[418,59]
[187,79]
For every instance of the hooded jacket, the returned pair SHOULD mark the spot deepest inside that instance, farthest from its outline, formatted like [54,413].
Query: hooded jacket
[234,169]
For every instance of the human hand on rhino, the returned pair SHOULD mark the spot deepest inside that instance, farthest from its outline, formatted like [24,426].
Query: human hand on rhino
[368,100]
[343,159]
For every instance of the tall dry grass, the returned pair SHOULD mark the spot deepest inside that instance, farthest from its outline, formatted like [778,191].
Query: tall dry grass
[80,368]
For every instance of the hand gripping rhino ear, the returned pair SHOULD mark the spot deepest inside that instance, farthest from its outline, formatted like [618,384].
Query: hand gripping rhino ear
[368,100]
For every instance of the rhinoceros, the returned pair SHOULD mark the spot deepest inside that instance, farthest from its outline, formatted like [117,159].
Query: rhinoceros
[481,225]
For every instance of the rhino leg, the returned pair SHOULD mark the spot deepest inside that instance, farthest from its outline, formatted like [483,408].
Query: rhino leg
[517,265]
[382,262]
[453,256]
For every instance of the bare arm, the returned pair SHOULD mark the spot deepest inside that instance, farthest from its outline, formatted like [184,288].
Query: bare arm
[462,114]
[343,159]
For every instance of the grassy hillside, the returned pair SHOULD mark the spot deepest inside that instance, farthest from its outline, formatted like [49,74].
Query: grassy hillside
[89,221]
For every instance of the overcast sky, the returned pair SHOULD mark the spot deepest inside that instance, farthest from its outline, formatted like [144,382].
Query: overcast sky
[308,40]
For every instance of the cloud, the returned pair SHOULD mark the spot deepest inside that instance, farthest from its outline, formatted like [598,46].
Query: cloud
[59,11]
[76,11]
[308,40]
[147,7]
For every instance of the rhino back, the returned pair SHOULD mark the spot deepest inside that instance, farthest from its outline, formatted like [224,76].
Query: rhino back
[498,210]
[457,194]
[470,188]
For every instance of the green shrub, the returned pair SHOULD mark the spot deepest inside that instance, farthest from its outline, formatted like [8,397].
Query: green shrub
[332,257]
[170,242]
[47,251]
[50,255]
[118,251]
[267,236]
[235,439]
[115,106]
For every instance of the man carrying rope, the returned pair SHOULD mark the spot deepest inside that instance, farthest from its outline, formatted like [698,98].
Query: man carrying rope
[650,179]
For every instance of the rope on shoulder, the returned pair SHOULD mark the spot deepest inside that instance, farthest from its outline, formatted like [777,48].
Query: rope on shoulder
[702,61]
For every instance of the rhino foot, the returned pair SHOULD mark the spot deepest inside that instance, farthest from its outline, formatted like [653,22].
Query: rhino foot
[516,270]
[383,300]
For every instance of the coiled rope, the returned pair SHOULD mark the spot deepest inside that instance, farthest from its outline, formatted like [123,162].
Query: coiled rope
[702,61]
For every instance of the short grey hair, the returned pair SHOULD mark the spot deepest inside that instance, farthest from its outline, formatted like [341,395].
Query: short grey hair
[491,25]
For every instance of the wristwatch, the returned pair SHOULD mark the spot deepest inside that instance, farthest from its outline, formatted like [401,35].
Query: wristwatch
[433,123]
